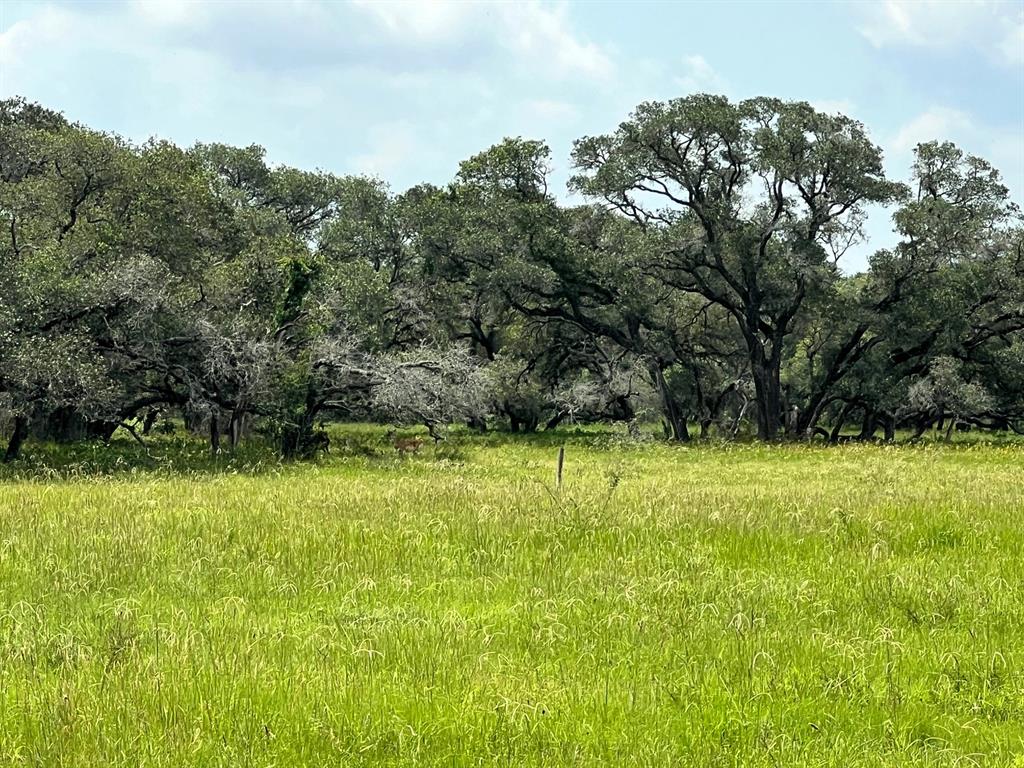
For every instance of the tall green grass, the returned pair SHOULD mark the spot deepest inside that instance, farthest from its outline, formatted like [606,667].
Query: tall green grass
[707,606]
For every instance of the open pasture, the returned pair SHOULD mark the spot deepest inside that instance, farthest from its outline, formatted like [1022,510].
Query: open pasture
[711,606]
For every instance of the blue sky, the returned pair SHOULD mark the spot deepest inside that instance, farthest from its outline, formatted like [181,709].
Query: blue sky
[407,90]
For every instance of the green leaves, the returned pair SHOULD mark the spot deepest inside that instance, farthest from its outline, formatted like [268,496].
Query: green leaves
[702,272]
[516,167]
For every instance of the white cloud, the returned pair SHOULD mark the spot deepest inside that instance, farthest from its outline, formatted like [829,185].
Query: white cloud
[993,27]
[550,109]
[699,76]
[169,12]
[50,27]
[425,20]
[391,145]
[535,33]
[1011,47]
[937,123]
[301,36]
[1004,148]
[542,33]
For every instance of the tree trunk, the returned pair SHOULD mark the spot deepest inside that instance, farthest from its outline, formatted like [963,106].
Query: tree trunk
[17,438]
[889,423]
[513,420]
[555,420]
[848,354]
[739,418]
[62,425]
[768,392]
[681,431]
[289,442]
[792,421]
[147,423]
[104,430]
[214,433]
[235,427]
[869,426]
[714,411]
[808,421]
[623,409]
[193,422]
[299,440]
[837,428]
[676,421]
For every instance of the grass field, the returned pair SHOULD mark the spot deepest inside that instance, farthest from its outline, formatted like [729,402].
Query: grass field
[712,606]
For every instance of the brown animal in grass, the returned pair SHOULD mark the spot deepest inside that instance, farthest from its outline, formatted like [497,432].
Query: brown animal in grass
[405,445]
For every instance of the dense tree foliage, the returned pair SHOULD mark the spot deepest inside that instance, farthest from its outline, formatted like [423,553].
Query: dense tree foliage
[699,284]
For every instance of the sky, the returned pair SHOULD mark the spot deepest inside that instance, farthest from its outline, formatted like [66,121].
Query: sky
[405,91]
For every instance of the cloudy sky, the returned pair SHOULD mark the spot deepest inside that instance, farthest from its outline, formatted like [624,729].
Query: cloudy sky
[407,90]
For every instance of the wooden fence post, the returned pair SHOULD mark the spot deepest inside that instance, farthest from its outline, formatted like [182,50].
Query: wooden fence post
[561,463]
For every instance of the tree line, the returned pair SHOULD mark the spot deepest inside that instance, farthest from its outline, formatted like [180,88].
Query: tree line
[697,284]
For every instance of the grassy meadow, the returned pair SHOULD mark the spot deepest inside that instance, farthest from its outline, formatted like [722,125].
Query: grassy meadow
[734,605]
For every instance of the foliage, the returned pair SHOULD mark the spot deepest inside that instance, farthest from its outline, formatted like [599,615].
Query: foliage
[699,280]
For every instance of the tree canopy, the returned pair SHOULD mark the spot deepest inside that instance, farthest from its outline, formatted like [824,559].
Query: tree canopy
[699,283]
